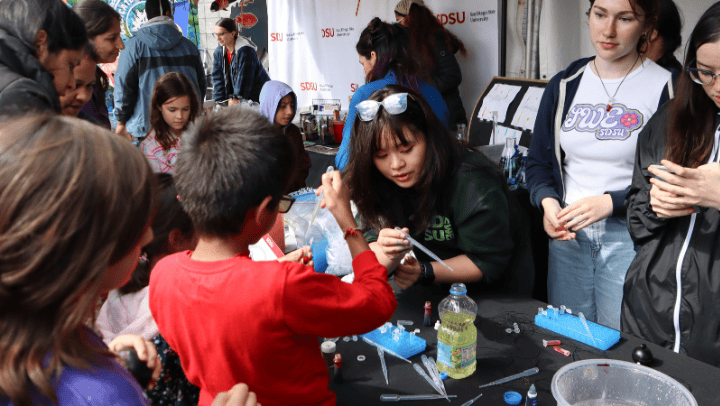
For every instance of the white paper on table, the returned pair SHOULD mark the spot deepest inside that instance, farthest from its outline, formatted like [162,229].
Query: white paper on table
[498,99]
[527,110]
[506,132]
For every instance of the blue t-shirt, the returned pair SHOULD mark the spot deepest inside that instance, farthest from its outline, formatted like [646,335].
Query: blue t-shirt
[107,383]
[431,95]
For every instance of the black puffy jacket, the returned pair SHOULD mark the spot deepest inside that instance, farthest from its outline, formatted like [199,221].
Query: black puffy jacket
[446,78]
[24,84]
[659,287]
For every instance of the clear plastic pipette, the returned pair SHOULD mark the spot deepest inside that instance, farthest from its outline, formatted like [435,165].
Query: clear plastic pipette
[471,401]
[435,371]
[587,328]
[422,373]
[381,354]
[435,377]
[531,371]
[316,208]
[394,354]
[425,250]
[399,398]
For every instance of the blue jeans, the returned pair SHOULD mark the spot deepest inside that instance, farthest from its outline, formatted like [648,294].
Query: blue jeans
[587,274]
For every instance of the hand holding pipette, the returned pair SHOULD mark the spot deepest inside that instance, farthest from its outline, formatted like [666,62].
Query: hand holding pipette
[423,249]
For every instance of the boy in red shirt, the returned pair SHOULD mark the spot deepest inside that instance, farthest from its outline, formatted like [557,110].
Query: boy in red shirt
[234,320]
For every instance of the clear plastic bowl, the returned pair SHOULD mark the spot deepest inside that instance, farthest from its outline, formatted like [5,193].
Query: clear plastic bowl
[606,382]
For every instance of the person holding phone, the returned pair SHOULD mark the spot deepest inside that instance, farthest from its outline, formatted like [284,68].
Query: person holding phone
[673,215]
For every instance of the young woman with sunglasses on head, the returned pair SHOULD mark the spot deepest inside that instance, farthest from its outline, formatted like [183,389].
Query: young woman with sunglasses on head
[580,161]
[407,172]
[673,215]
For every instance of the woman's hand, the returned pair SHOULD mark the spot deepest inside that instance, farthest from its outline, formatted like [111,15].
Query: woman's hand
[239,395]
[692,187]
[302,255]
[586,211]
[553,227]
[145,350]
[408,273]
[336,199]
[666,204]
[393,245]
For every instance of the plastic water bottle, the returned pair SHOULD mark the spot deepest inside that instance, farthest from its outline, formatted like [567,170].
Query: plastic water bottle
[457,337]
[509,160]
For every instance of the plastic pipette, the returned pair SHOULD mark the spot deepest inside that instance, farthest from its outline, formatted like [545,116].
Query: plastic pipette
[425,250]
[394,354]
[435,377]
[435,371]
[471,401]
[422,373]
[381,354]
[316,208]
[399,398]
[531,371]
[587,328]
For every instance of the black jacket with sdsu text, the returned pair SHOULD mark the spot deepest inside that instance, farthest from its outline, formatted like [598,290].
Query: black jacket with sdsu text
[669,298]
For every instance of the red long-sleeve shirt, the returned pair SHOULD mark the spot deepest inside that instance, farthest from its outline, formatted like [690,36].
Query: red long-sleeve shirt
[237,320]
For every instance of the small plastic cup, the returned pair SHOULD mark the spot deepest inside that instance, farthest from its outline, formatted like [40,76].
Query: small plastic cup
[338,127]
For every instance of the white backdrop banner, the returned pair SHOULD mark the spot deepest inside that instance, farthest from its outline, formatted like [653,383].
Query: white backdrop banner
[312,44]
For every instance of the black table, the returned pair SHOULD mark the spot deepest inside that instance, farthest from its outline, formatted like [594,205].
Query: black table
[321,157]
[498,355]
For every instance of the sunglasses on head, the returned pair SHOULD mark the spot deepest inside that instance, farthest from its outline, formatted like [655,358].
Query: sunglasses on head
[285,203]
[394,104]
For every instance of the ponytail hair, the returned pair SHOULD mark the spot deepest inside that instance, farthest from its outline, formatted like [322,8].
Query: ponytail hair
[392,49]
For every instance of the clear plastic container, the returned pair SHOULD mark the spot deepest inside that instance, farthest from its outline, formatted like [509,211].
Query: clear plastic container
[608,382]
[457,336]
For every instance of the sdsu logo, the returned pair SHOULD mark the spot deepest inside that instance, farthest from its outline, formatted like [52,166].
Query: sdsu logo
[354,87]
[328,32]
[451,18]
[276,36]
[308,86]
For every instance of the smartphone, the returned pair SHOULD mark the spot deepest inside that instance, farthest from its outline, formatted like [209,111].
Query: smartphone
[658,166]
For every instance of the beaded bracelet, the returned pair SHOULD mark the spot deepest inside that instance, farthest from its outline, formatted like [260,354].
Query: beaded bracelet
[351,231]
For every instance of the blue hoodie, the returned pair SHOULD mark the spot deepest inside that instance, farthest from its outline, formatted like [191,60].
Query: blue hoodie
[156,49]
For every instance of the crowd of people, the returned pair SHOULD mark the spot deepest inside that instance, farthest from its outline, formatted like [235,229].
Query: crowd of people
[107,246]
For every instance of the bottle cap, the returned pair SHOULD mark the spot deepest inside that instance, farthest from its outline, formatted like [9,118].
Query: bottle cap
[532,390]
[512,398]
[328,347]
[458,289]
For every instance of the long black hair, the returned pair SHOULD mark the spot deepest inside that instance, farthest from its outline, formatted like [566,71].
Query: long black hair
[25,18]
[692,113]
[392,49]
[369,188]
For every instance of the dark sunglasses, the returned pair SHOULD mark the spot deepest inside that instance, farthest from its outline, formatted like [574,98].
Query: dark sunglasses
[286,203]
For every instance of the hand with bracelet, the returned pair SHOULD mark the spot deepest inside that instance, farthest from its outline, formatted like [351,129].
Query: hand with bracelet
[336,197]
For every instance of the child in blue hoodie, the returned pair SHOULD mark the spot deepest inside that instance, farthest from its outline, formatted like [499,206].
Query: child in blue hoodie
[279,104]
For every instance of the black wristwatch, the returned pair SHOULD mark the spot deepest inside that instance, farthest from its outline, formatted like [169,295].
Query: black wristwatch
[427,274]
